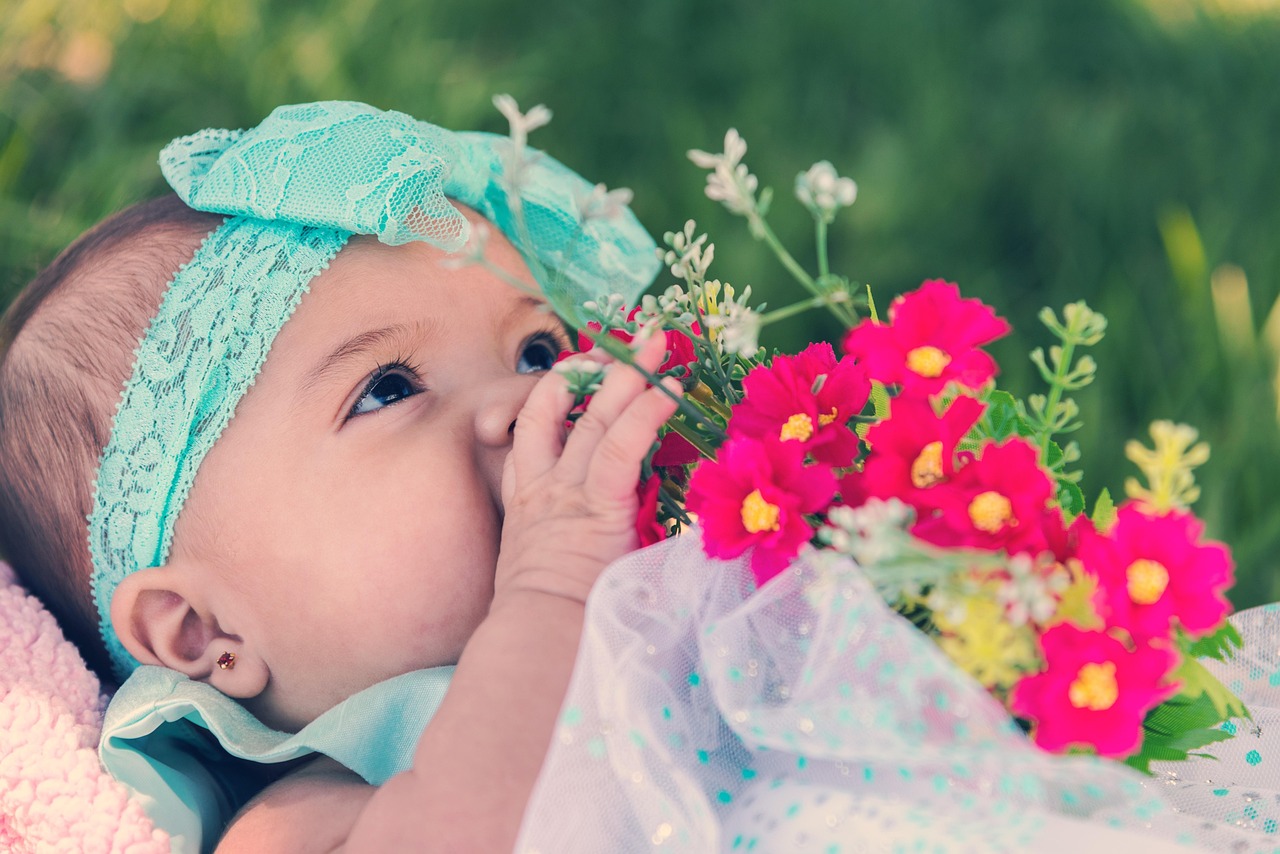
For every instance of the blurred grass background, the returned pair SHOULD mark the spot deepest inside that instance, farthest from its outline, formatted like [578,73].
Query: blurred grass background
[1119,151]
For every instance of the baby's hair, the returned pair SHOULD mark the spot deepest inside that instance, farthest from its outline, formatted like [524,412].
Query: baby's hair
[66,347]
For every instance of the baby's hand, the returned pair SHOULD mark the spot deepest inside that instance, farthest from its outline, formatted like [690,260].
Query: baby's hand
[571,502]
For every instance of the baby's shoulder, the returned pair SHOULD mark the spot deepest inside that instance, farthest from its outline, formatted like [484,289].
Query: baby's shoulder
[311,809]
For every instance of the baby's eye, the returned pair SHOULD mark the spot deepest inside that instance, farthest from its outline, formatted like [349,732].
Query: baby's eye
[389,384]
[539,354]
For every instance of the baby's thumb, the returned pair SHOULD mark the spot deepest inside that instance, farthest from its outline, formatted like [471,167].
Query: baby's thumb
[508,480]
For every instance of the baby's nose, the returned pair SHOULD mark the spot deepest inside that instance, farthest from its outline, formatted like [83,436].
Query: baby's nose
[497,412]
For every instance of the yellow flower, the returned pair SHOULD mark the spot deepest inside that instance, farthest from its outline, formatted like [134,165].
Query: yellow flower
[986,645]
[1167,467]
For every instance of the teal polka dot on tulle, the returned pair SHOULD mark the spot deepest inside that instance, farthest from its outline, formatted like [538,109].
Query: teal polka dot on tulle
[723,796]
[1251,812]
[1269,826]
[1253,757]
[1237,686]
[694,678]
[703,757]
[572,716]
[596,748]
[1221,793]
[748,773]
[1229,727]
[1255,672]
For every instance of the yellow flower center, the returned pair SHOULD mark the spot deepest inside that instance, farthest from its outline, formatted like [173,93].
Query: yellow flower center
[1095,687]
[759,515]
[928,361]
[798,427]
[830,417]
[927,468]
[990,511]
[1147,580]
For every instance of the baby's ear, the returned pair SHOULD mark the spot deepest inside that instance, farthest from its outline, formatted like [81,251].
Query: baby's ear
[161,618]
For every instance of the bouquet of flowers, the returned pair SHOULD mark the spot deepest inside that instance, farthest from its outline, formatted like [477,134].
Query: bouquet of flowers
[959,501]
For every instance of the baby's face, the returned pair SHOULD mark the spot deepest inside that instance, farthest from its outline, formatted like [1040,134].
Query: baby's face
[350,514]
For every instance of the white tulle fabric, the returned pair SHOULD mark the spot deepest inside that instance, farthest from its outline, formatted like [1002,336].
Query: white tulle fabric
[808,717]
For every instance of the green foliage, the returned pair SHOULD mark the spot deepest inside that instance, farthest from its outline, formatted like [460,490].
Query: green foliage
[988,147]
[1221,645]
[1104,511]
[1192,718]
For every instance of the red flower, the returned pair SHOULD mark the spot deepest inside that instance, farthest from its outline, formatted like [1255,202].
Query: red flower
[780,402]
[648,528]
[679,348]
[1153,570]
[996,502]
[674,450]
[1093,692]
[755,493]
[913,451]
[931,338]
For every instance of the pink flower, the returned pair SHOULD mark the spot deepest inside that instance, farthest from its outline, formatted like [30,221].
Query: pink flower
[913,451]
[756,493]
[780,402]
[1153,570]
[996,502]
[1093,692]
[931,338]
[680,352]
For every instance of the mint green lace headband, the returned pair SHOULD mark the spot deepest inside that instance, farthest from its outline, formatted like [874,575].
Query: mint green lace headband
[296,188]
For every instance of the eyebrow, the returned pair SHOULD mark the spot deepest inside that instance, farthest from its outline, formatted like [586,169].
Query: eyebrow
[355,346]
[524,303]
[363,343]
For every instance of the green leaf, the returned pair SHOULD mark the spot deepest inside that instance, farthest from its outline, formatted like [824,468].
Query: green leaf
[1104,511]
[1193,739]
[880,402]
[1001,420]
[871,305]
[1197,681]
[1070,498]
[1182,714]
[1221,645]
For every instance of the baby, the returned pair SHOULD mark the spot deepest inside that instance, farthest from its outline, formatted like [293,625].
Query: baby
[394,508]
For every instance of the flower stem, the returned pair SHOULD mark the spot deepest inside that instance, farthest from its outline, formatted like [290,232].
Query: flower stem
[761,227]
[1055,391]
[623,353]
[704,395]
[793,309]
[691,435]
[820,235]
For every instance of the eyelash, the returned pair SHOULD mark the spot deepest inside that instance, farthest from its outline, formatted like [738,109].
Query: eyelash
[412,372]
[403,364]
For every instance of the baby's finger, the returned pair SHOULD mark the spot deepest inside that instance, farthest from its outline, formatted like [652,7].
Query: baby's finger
[619,389]
[614,468]
[539,431]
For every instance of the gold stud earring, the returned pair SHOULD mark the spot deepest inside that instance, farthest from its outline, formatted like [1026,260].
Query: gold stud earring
[227,660]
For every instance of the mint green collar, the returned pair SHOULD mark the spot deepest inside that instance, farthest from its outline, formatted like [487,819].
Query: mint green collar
[193,756]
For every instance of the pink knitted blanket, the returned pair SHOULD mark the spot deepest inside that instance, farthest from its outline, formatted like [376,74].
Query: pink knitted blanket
[53,794]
